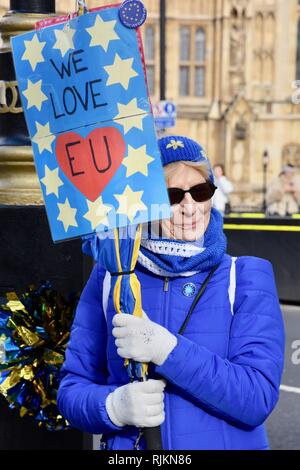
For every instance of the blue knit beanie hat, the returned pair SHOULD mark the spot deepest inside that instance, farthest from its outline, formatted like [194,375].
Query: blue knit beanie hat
[175,148]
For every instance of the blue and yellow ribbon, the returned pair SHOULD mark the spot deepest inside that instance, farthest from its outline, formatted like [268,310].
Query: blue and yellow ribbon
[127,289]
[81,7]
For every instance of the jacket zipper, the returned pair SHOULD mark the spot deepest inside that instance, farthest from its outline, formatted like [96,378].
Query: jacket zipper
[165,317]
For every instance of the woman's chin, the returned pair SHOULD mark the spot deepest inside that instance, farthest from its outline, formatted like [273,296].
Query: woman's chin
[189,235]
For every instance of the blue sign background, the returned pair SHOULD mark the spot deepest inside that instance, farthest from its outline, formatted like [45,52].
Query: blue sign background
[127,108]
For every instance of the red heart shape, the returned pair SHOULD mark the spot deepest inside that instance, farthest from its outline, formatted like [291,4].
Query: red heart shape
[90,163]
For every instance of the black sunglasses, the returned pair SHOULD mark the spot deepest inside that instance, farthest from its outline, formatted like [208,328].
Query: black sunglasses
[200,193]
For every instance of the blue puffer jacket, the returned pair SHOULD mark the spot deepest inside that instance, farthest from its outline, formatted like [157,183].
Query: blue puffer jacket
[223,375]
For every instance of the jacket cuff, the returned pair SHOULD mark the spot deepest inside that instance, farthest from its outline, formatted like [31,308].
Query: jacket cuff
[174,367]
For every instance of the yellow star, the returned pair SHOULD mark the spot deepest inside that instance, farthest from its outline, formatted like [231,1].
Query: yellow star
[64,40]
[175,144]
[130,202]
[34,95]
[135,118]
[137,161]
[102,33]
[52,181]
[43,138]
[67,215]
[97,213]
[33,51]
[131,122]
[120,72]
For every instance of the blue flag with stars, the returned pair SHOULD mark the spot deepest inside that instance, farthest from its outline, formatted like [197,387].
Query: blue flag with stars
[84,94]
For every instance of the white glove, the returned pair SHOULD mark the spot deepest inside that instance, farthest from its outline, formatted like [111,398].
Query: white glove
[140,404]
[141,339]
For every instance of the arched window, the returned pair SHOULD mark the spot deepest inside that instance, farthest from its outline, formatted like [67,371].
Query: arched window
[185,58]
[149,43]
[185,43]
[150,53]
[200,45]
[200,51]
[192,61]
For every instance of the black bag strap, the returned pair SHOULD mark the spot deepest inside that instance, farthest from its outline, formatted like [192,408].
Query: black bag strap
[153,435]
[197,298]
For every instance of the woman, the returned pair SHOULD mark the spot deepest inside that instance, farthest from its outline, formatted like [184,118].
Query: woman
[211,387]
[224,188]
[283,195]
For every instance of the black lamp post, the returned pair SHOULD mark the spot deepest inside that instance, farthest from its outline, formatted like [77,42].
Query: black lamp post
[266,159]
[162,55]
[33,6]
[27,252]
[162,27]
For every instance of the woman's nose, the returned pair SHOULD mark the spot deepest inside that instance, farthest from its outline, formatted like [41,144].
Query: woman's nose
[188,204]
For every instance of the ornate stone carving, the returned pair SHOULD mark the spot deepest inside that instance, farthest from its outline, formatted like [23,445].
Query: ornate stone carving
[263,46]
[241,130]
[238,161]
[239,117]
[237,45]
[239,5]
[291,155]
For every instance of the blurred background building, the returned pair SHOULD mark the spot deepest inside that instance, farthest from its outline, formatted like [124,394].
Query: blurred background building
[231,67]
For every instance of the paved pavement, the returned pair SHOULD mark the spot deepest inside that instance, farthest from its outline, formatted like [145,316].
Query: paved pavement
[284,423]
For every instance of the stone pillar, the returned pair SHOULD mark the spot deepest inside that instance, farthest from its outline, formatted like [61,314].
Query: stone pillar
[18,180]
[27,252]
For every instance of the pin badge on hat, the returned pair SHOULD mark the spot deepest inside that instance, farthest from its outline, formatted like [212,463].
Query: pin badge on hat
[189,289]
[132,13]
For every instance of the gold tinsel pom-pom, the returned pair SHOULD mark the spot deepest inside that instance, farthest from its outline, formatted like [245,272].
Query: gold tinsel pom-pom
[34,332]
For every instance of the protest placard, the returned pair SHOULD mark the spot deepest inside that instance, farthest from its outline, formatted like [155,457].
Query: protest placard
[85,98]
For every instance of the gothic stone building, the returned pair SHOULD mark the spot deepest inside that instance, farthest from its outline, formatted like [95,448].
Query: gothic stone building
[231,67]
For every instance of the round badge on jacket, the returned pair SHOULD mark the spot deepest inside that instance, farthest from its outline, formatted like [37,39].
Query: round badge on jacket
[132,13]
[189,289]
